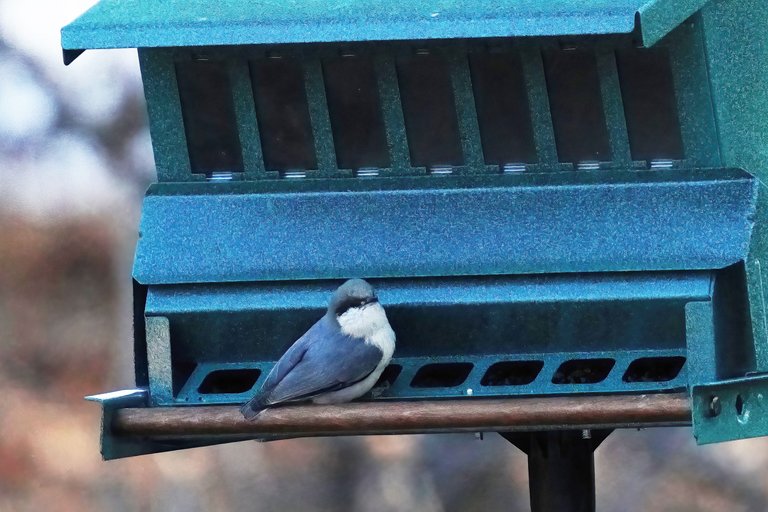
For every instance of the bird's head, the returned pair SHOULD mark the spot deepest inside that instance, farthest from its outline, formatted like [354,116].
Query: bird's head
[356,307]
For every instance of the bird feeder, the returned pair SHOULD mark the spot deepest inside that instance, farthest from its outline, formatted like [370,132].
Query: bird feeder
[558,203]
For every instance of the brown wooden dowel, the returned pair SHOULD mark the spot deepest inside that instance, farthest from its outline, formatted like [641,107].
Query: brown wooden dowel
[478,414]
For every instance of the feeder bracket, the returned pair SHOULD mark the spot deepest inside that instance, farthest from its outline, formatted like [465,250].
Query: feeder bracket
[731,409]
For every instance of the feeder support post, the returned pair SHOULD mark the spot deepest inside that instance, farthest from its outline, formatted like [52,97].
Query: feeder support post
[561,468]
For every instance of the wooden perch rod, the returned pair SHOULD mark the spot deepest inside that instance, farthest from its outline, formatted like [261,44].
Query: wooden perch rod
[478,414]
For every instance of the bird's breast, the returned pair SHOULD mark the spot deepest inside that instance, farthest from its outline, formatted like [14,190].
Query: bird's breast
[383,339]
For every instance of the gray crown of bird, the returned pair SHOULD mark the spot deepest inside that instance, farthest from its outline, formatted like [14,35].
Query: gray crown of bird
[338,359]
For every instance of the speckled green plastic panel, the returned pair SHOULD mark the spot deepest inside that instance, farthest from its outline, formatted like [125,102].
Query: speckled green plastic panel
[737,56]
[490,335]
[511,224]
[165,23]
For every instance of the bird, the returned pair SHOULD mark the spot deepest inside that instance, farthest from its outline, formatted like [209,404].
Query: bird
[338,359]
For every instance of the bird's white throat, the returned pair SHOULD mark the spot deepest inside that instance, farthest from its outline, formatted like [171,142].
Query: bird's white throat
[370,323]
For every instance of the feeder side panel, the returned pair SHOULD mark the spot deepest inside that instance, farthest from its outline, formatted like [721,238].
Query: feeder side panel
[737,51]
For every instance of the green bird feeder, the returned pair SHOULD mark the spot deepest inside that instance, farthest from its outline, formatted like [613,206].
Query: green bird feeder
[558,201]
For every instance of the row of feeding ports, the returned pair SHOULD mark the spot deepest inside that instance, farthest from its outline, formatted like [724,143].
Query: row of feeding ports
[358,101]
[503,373]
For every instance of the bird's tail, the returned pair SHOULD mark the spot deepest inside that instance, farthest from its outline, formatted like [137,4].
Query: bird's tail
[253,407]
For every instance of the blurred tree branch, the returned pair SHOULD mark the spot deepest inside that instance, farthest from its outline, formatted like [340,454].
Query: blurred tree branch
[112,136]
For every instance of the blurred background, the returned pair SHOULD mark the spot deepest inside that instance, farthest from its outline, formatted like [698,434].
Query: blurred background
[75,159]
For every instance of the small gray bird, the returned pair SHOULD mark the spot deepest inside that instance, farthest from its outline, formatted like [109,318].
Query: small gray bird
[338,359]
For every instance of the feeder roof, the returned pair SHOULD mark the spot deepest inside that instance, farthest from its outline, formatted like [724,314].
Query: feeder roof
[164,23]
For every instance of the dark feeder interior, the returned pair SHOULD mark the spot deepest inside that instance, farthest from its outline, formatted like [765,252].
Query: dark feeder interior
[500,81]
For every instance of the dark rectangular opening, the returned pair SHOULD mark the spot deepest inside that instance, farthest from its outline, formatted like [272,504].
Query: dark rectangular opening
[387,378]
[283,114]
[229,381]
[355,112]
[502,107]
[429,110]
[441,375]
[583,371]
[512,373]
[208,112]
[576,104]
[650,107]
[654,369]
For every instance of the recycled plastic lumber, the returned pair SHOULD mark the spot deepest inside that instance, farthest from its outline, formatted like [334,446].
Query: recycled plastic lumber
[410,417]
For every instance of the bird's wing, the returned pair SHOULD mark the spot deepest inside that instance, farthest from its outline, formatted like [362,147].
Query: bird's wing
[330,361]
[290,358]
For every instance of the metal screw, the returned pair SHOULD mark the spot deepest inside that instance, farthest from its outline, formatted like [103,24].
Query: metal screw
[469,391]
[715,406]
[586,434]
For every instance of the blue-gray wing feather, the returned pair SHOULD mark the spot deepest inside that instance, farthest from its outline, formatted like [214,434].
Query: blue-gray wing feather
[290,359]
[322,360]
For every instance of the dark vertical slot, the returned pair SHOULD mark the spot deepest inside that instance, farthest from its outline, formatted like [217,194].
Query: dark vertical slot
[502,108]
[181,371]
[650,107]
[429,111]
[283,115]
[183,360]
[209,117]
[573,84]
[734,342]
[355,111]
[140,363]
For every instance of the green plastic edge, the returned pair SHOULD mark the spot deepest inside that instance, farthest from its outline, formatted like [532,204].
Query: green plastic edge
[112,24]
